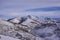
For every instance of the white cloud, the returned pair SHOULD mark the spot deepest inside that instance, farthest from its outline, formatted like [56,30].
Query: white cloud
[17,7]
[45,14]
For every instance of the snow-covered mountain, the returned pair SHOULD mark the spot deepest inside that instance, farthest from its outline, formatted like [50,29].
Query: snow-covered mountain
[30,28]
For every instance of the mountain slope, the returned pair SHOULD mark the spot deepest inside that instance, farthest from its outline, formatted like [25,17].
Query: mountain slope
[30,28]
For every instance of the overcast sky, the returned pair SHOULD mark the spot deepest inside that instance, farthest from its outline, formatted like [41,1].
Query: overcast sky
[12,8]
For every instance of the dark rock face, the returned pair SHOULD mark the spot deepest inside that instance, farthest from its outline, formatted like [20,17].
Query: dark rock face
[57,32]
[18,35]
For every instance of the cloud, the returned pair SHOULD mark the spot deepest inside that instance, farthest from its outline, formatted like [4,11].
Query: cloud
[45,9]
[18,7]
[46,14]
[27,4]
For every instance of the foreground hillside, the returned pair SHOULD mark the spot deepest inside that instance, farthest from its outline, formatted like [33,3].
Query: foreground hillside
[29,28]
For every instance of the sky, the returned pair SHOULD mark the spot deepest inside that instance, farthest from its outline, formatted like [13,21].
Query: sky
[14,8]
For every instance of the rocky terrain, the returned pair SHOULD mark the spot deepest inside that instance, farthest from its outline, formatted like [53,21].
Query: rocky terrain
[29,28]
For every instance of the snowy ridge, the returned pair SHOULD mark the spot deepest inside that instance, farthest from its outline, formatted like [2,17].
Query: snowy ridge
[30,28]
